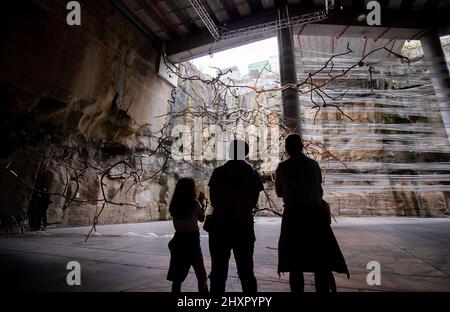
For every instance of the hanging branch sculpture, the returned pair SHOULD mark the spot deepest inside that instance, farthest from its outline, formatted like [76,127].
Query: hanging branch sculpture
[214,111]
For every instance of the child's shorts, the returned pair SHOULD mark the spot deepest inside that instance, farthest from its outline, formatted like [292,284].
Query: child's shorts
[185,250]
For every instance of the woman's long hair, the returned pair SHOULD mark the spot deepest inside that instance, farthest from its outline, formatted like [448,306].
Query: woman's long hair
[182,204]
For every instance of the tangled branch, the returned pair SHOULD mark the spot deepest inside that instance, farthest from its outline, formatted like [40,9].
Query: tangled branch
[220,108]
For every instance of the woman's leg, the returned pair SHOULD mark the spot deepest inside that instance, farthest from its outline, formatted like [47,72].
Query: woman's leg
[176,287]
[321,280]
[297,281]
[331,282]
[200,272]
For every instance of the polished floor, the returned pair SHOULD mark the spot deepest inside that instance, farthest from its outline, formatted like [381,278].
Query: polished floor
[414,255]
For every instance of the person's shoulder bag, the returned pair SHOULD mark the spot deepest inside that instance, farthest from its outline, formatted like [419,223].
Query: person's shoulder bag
[209,223]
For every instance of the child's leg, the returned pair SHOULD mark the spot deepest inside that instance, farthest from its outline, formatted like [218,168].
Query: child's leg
[176,287]
[200,272]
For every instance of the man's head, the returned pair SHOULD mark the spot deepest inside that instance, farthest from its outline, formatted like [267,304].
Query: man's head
[294,144]
[238,149]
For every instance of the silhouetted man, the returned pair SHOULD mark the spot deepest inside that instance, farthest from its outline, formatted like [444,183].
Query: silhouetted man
[307,243]
[234,191]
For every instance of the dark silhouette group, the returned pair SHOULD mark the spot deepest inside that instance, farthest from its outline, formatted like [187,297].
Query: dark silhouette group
[306,243]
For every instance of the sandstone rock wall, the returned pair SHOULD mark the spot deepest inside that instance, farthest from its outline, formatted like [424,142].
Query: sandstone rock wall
[395,147]
[74,95]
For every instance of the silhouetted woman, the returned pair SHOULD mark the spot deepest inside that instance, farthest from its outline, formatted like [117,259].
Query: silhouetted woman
[185,250]
[307,242]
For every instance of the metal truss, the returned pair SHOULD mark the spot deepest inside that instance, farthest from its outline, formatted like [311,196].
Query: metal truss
[206,19]
[261,28]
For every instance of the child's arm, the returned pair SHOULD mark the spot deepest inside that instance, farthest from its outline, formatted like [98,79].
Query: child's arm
[200,211]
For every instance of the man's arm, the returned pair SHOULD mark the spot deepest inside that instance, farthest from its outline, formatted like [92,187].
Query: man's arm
[278,185]
[213,194]
[258,188]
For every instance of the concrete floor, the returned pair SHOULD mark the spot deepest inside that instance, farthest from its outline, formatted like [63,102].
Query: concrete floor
[414,255]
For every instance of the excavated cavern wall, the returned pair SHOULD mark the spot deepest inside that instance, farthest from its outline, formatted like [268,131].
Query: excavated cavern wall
[75,96]
[395,147]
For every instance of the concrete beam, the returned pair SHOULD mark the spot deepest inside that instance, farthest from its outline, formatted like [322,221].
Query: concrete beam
[439,72]
[137,23]
[288,75]
[199,44]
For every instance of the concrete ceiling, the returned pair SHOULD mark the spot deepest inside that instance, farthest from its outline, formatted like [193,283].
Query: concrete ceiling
[178,28]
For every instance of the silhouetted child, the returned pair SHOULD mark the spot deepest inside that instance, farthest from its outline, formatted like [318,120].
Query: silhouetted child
[185,250]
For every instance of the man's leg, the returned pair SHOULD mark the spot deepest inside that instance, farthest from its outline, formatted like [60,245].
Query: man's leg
[297,281]
[220,256]
[243,254]
[44,221]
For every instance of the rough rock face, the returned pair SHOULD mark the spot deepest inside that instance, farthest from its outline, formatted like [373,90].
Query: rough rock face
[387,146]
[78,96]
[76,100]
[394,134]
